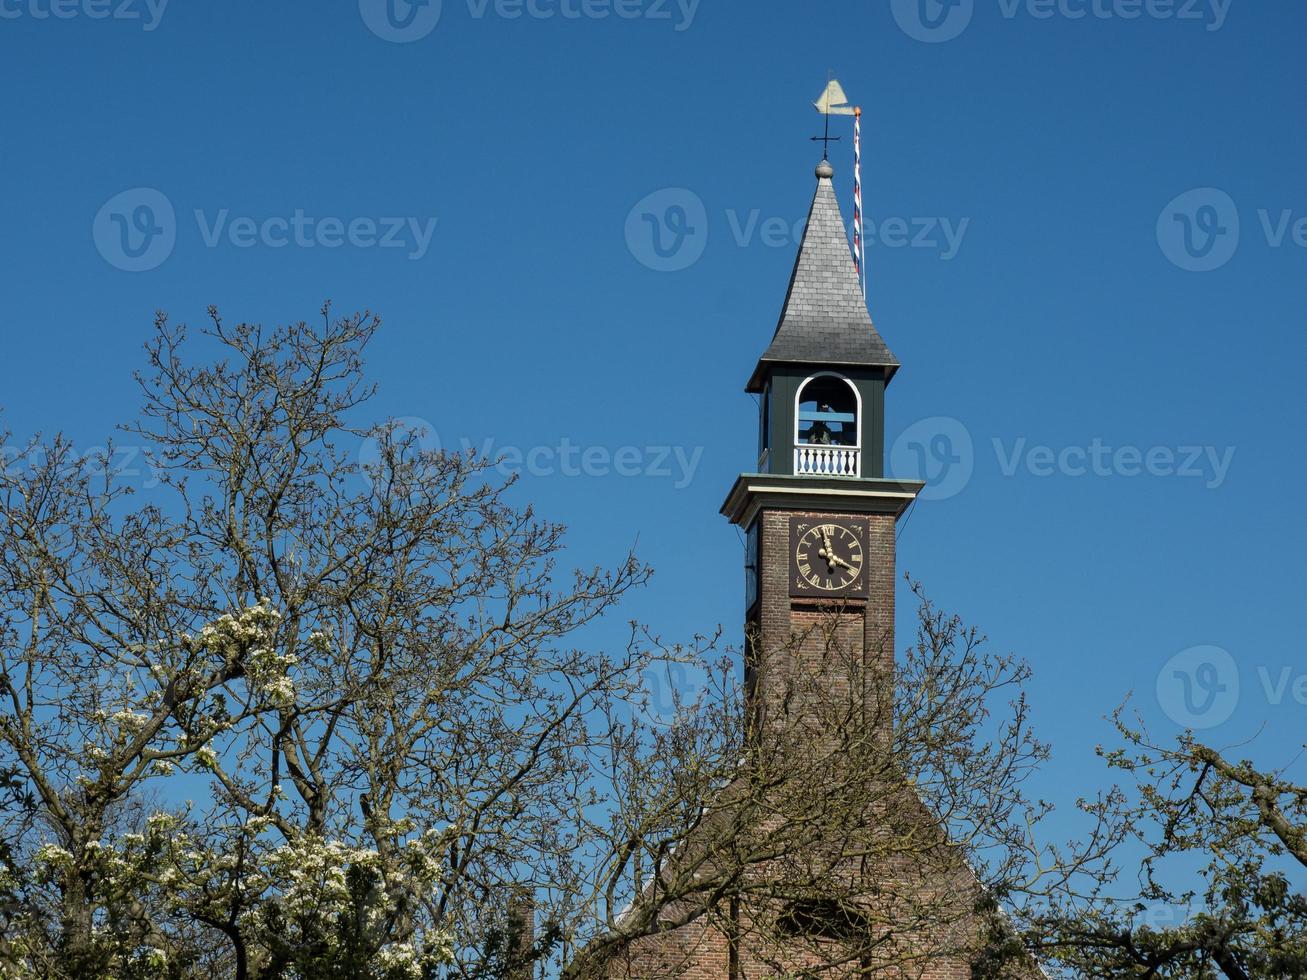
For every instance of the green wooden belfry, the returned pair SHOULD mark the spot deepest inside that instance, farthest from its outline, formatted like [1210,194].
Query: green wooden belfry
[822,379]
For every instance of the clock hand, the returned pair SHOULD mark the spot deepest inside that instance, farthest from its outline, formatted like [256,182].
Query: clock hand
[837,560]
[828,552]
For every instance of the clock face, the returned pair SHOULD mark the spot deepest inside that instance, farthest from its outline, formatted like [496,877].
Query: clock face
[827,558]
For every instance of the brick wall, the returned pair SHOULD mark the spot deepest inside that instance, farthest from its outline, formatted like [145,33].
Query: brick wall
[789,636]
[805,657]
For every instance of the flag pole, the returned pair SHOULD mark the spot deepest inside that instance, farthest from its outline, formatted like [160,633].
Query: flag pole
[859,248]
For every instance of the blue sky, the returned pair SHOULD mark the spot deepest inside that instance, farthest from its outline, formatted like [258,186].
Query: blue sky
[1084,250]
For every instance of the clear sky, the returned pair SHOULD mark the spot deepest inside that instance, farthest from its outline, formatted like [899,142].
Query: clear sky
[1070,317]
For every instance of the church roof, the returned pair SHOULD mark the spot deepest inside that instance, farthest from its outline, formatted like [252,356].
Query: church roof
[825,319]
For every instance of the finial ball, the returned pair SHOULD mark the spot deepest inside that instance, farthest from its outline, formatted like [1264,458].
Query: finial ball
[824,169]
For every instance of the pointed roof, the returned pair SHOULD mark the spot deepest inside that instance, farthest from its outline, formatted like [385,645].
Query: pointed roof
[825,318]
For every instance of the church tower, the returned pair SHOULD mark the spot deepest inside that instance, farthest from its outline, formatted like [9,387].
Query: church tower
[819,513]
[819,858]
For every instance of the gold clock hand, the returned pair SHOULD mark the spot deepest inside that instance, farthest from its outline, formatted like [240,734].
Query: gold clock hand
[828,552]
[837,560]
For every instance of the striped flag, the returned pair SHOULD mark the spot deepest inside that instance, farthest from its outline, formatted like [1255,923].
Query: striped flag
[859,254]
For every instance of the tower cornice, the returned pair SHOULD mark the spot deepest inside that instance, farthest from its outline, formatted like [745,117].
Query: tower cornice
[753,492]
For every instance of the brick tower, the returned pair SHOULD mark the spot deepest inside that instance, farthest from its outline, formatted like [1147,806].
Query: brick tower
[819,514]
[821,846]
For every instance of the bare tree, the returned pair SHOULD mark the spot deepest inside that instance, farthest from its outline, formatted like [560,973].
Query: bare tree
[872,826]
[295,716]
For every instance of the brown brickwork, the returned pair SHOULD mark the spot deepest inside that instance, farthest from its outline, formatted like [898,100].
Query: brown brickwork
[921,897]
[866,626]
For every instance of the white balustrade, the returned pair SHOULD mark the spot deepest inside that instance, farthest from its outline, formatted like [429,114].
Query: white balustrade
[817,460]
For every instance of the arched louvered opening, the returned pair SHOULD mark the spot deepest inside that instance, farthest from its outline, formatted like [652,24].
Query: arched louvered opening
[827,427]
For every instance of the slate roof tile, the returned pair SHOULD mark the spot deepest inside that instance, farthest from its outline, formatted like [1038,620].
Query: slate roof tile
[825,319]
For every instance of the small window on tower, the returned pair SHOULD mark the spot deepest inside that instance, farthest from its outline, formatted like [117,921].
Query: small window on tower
[828,412]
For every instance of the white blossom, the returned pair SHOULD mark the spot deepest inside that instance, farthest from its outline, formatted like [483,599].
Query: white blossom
[206,757]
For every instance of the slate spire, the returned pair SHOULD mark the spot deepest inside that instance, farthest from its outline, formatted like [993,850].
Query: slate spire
[824,320]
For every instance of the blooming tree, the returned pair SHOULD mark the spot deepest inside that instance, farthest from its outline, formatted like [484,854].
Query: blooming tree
[300,716]
[294,710]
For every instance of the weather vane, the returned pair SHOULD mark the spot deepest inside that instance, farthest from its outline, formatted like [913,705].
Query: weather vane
[833,102]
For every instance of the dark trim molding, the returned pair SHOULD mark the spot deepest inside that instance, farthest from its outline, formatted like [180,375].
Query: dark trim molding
[753,492]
